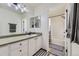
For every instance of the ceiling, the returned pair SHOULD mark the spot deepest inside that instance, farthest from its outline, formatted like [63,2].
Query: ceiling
[42,4]
[54,8]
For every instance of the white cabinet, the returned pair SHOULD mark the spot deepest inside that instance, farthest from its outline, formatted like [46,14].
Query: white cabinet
[34,45]
[19,48]
[4,50]
[27,47]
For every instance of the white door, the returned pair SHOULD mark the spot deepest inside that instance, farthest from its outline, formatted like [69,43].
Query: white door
[4,50]
[57,30]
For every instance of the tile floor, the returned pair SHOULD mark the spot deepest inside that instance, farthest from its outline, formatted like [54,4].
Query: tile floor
[56,50]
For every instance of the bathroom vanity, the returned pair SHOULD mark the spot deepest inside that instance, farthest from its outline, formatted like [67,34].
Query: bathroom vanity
[20,44]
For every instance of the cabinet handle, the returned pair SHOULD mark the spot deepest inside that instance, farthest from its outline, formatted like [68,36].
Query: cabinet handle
[20,50]
[20,43]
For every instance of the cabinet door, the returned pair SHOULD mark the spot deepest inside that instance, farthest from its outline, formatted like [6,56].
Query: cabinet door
[4,50]
[38,43]
[32,46]
[24,48]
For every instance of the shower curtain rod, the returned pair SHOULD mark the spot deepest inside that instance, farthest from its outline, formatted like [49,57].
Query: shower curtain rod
[55,16]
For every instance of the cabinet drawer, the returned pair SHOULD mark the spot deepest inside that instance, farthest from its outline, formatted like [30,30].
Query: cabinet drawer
[15,52]
[15,49]
[19,48]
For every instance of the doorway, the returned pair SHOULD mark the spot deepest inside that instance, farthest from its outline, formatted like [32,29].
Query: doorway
[56,34]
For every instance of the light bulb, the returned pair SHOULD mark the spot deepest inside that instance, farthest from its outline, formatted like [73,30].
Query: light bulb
[9,4]
[19,6]
[16,7]
[25,9]
[22,10]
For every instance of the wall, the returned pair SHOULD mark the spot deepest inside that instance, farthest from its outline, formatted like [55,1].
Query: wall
[42,11]
[70,46]
[27,17]
[9,16]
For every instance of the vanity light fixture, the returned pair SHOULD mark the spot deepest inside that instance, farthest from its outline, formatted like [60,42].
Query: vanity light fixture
[18,6]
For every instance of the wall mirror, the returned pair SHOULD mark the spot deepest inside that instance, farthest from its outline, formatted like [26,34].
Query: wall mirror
[35,22]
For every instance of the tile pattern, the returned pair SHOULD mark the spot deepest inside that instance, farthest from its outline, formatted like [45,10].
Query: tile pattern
[56,50]
[41,52]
